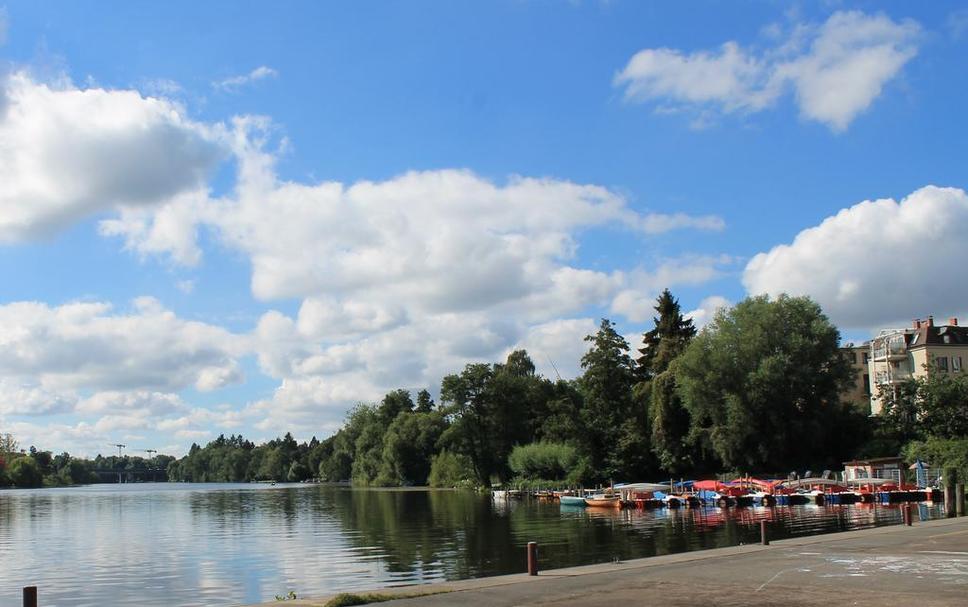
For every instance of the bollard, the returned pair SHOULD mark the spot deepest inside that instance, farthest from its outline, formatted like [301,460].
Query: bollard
[908,515]
[532,558]
[960,499]
[763,539]
[30,596]
[950,478]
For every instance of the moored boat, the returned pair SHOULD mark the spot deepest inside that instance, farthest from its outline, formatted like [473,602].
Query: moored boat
[572,500]
[604,500]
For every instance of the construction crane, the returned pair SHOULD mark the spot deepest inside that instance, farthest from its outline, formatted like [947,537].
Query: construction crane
[151,453]
[120,447]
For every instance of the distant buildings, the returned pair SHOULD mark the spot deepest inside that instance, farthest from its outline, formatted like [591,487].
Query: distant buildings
[897,355]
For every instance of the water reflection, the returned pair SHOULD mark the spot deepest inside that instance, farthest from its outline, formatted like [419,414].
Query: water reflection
[177,544]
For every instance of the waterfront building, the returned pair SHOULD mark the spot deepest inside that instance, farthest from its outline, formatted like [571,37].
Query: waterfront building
[898,355]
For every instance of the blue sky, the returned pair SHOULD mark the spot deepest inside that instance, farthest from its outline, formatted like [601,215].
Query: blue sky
[246,217]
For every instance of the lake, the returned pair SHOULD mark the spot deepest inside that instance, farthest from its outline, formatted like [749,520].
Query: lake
[225,544]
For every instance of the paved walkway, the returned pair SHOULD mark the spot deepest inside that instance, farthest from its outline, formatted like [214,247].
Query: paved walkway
[925,565]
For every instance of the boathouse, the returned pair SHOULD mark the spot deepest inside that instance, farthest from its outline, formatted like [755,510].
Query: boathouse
[878,467]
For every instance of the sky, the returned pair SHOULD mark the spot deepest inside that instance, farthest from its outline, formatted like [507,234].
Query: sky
[239,217]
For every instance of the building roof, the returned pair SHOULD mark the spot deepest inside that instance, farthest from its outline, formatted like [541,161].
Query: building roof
[874,461]
[928,334]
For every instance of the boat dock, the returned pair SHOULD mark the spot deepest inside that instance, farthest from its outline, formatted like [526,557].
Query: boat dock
[925,564]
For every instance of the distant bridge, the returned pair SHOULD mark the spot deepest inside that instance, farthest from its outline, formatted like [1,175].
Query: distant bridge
[111,475]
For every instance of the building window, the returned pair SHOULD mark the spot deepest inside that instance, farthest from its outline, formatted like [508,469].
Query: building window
[867,384]
[956,363]
[865,357]
[941,363]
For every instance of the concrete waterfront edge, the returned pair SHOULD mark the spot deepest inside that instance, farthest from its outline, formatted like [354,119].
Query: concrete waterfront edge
[642,563]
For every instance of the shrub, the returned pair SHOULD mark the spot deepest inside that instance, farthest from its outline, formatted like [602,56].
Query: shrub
[451,470]
[543,460]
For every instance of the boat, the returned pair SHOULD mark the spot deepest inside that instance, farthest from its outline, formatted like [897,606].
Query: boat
[572,500]
[604,500]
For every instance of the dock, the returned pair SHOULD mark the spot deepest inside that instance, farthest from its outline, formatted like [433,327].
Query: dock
[925,565]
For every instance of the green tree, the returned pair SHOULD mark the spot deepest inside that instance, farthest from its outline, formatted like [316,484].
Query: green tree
[606,388]
[762,384]
[425,404]
[543,461]
[665,342]
[451,470]
[24,472]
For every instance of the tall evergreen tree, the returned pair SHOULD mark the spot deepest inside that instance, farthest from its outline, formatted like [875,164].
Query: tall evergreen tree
[606,388]
[666,341]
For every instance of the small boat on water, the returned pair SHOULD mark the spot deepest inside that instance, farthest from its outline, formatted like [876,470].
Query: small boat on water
[506,494]
[572,500]
[604,500]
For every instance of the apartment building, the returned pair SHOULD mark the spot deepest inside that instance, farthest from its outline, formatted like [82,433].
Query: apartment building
[897,355]
[859,392]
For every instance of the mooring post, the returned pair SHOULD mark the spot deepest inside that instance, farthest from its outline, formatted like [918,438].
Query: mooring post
[950,506]
[908,515]
[30,596]
[532,558]
[960,499]
[763,538]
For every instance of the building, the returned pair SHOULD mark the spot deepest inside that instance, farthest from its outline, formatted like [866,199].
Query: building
[898,355]
[859,392]
[880,467]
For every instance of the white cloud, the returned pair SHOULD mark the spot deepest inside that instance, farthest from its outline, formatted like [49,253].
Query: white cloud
[707,309]
[88,346]
[556,347]
[836,70]
[30,399]
[68,153]
[233,83]
[957,23]
[876,262]
[637,300]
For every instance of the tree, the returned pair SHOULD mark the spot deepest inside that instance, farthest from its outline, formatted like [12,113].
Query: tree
[670,424]
[606,388]
[8,444]
[666,341]
[762,384]
[543,461]
[24,472]
[425,404]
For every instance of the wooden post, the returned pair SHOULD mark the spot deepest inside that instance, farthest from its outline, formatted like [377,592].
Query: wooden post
[532,558]
[908,515]
[763,538]
[30,596]
[950,478]
[960,499]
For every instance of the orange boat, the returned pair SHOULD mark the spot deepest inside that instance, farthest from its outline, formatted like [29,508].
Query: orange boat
[604,500]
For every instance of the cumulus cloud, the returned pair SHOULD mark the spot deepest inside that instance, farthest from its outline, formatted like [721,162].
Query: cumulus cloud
[399,281]
[835,70]
[89,346]
[68,153]
[707,309]
[877,262]
[233,83]
[636,300]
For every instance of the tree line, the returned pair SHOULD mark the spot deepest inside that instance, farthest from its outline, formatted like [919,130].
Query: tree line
[26,468]
[758,390]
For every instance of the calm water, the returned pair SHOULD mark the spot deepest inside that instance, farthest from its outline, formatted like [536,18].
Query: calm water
[173,544]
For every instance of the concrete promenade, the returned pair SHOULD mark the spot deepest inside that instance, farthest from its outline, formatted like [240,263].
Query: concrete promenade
[924,565]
